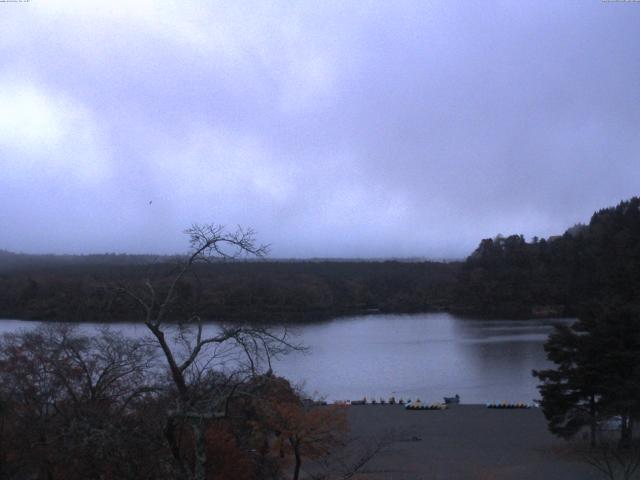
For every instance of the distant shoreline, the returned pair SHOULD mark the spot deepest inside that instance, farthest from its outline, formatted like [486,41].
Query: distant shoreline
[308,320]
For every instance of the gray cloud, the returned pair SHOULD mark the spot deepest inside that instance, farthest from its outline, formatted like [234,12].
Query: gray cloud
[369,129]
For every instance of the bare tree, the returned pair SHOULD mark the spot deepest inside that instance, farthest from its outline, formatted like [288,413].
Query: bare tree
[613,461]
[68,398]
[351,458]
[207,368]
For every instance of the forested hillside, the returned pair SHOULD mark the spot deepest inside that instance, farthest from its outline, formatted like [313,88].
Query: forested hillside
[598,262]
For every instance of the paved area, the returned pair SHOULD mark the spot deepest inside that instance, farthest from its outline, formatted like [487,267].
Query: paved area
[464,442]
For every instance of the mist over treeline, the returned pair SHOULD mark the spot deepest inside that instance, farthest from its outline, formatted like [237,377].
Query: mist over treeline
[505,276]
[12,261]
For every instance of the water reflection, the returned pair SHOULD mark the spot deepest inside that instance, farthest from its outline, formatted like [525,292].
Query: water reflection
[426,355]
[429,356]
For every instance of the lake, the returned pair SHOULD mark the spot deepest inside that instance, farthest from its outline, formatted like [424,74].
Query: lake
[422,355]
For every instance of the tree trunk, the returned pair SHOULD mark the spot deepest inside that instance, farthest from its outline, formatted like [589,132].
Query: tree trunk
[625,431]
[593,425]
[170,435]
[199,469]
[296,453]
[176,373]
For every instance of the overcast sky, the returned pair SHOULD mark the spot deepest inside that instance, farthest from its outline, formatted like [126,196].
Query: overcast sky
[368,129]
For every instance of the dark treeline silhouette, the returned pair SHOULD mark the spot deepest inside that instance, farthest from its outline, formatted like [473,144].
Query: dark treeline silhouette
[83,290]
[11,262]
[503,277]
[594,263]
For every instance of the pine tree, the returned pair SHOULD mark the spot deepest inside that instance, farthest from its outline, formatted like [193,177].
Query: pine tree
[597,373]
[571,392]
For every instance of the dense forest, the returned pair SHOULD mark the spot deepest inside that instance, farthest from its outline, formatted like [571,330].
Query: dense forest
[503,277]
[562,275]
[88,288]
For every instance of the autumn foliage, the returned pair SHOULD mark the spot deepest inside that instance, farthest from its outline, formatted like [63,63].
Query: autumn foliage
[79,407]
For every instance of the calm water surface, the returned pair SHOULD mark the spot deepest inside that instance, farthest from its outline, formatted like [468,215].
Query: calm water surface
[425,355]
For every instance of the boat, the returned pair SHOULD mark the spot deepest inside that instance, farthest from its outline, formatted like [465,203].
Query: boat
[449,400]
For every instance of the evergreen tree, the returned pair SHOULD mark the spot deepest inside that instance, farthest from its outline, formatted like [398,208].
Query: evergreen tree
[615,334]
[506,276]
[597,373]
[571,392]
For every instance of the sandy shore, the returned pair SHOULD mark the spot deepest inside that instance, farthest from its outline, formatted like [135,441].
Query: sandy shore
[464,442]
